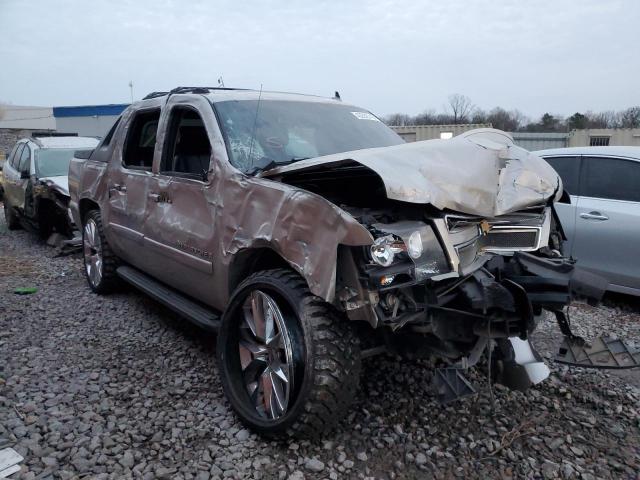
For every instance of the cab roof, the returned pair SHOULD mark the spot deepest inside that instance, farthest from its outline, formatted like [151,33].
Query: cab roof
[219,94]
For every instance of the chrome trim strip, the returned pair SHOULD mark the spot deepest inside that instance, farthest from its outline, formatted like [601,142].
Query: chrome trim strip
[185,258]
[127,232]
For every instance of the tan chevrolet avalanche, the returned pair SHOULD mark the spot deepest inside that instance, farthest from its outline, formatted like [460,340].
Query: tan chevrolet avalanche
[309,236]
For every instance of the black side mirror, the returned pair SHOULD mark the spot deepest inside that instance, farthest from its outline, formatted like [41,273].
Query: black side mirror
[24,175]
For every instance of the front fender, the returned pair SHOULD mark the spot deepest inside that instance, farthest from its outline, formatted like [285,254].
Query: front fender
[305,229]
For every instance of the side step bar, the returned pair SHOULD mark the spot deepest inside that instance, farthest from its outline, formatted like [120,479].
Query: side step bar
[179,303]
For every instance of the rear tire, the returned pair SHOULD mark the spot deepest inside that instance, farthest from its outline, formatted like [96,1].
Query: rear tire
[299,385]
[11,217]
[100,263]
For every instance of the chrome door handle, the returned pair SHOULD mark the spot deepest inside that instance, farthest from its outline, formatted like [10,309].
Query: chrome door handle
[593,216]
[118,188]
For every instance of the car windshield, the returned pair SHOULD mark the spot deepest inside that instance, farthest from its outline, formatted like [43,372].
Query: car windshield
[278,132]
[53,162]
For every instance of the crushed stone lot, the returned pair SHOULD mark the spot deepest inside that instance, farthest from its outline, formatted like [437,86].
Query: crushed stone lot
[118,387]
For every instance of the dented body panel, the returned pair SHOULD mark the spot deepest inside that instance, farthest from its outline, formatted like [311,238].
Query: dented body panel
[191,241]
[443,247]
[481,172]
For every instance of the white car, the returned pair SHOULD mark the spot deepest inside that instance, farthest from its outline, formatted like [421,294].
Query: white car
[602,222]
[36,193]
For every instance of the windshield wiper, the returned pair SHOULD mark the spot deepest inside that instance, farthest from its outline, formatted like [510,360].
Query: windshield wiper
[274,164]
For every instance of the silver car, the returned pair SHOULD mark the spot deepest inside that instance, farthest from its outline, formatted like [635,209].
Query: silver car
[603,221]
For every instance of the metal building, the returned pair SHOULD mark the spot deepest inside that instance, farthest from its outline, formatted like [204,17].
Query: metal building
[416,133]
[540,140]
[87,120]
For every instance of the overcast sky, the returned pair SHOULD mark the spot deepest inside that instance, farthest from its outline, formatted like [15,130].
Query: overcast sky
[537,56]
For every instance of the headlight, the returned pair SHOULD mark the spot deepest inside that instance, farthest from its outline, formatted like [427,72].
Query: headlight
[384,249]
[409,241]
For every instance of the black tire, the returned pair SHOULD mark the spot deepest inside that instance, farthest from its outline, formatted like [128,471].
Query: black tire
[326,358]
[45,227]
[11,217]
[108,280]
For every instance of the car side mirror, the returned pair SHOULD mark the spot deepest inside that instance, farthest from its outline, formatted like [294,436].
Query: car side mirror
[24,175]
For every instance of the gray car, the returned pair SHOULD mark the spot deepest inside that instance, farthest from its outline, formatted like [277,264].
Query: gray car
[602,222]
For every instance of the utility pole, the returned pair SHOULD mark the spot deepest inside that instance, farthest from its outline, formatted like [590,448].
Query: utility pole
[131,88]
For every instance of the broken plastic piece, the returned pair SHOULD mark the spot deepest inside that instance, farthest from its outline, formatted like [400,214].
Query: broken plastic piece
[603,352]
[450,384]
[9,460]
[25,290]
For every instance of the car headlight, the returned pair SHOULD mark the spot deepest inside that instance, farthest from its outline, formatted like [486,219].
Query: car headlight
[385,249]
[409,240]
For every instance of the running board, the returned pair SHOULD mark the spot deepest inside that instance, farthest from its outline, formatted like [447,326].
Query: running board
[179,303]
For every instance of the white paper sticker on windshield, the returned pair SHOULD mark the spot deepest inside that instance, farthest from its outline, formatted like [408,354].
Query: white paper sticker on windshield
[364,116]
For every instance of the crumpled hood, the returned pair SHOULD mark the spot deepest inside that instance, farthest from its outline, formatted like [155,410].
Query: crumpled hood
[481,172]
[61,184]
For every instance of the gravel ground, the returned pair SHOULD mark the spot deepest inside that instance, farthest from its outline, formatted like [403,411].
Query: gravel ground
[118,387]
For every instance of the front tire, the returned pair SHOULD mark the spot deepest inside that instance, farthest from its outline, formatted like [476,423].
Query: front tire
[100,263]
[11,217]
[289,365]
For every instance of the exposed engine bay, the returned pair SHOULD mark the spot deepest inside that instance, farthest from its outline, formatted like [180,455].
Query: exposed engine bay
[448,283]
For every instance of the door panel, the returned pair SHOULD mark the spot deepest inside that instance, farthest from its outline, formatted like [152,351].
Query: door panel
[608,219]
[11,175]
[21,184]
[179,230]
[178,235]
[129,176]
[608,239]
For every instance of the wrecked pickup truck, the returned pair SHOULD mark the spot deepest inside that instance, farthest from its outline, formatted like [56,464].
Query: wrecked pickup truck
[309,235]
[36,195]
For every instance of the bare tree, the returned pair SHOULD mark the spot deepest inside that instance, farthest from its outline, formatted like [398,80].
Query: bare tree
[461,107]
[629,118]
[398,119]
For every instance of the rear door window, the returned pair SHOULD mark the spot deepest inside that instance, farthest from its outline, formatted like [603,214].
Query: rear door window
[611,178]
[141,140]
[569,170]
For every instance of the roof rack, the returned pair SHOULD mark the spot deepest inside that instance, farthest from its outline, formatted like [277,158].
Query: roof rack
[189,90]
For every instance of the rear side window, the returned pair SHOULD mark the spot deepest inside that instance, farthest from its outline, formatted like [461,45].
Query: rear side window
[569,170]
[612,178]
[25,159]
[12,154]
[141,140]
[14,161]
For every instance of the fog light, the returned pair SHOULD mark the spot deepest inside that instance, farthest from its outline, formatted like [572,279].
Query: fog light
[414,246]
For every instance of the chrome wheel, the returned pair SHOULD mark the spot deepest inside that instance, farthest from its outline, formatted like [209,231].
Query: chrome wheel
[92,248]
[266,355]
